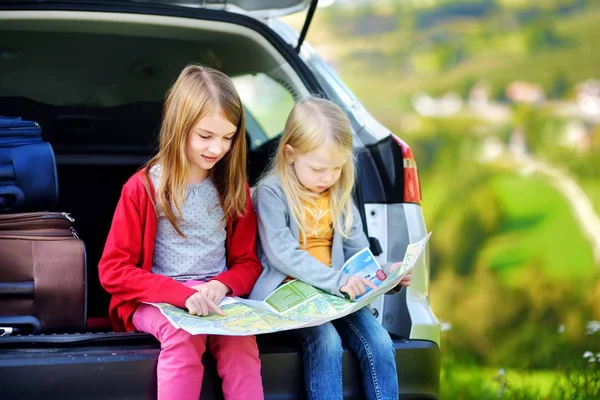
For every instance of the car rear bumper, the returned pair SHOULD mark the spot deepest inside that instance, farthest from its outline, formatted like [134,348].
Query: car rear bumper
[105,370]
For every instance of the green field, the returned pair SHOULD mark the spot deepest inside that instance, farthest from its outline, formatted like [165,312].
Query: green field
[538,228]
[470,382]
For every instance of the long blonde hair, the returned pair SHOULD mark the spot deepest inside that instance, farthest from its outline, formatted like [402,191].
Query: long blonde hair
[312,123]
[199,91]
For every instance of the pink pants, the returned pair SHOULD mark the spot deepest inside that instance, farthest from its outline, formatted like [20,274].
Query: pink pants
[180,370]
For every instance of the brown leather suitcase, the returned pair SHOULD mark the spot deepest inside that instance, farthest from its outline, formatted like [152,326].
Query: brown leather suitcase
[42,274]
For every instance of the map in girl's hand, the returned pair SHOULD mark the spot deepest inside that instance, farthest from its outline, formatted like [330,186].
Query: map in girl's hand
[293,305]
[364,264]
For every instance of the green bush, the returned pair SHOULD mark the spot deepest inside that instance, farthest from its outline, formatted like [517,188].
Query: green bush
[470,214]
[533,323]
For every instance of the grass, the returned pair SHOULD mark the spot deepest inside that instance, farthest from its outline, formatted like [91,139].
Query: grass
[538,227]
[540,380]
[470,382]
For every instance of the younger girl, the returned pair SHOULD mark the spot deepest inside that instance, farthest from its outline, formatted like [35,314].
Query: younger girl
[184,233]
[308,227]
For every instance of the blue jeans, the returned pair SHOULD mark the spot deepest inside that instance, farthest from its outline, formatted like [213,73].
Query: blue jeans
[367,339]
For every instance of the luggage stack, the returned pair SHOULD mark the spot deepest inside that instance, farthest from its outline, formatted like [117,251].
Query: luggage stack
[42,260]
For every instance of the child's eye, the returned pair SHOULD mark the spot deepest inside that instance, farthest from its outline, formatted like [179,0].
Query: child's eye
[317,169]
[203,136]
[229,138]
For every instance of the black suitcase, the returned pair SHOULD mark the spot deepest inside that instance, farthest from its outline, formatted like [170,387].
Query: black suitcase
[28,180]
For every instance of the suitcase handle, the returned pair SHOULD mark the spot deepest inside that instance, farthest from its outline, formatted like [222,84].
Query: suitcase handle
[17,289]
[15,324]
[7,172]
[10,195]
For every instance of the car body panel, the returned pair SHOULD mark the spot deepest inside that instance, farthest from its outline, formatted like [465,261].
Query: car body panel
[120,368]
[253,8]
[91,366]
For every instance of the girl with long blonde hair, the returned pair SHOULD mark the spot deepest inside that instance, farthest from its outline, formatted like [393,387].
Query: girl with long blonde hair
[184,233]
[308,227]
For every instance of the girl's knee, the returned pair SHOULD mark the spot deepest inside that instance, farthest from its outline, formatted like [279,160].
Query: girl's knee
[383,347]
[380,340]
[180,339]
[233,346]
[183,352]
[370,328]
[325,339]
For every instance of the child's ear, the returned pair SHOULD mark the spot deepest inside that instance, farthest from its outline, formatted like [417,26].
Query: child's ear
[288,152]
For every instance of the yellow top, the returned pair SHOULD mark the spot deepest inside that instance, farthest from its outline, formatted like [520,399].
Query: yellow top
[319,228]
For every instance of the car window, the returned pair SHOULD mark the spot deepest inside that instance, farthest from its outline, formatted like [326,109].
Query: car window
[268,104]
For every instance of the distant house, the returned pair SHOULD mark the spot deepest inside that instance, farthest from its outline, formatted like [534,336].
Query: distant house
[588,97]
[480,104]
[517,144]
[491,149]
[479,95]
[524,92]
[578,135]
[445,106]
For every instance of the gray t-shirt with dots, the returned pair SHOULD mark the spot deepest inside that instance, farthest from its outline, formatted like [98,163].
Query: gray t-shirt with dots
[202,254]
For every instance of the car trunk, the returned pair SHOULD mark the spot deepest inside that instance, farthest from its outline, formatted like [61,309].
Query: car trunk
[95,83]
[97,150]
[91,175]
[94,77]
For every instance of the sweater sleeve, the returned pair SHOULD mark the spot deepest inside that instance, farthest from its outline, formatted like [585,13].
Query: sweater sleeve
[242,262]
[119,269]
[283,250]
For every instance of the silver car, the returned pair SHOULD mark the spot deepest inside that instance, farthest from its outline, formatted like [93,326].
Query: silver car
[93,74]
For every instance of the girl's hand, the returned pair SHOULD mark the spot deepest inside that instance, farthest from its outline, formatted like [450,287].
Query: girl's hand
[199,304]
[407,278]
[356,286]
[213,290]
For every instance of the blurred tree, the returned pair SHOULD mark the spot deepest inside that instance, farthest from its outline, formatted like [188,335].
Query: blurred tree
[594,301]
[529,323]
[471,213]
[465,86]
[560,86]
[406,16]
[541,33]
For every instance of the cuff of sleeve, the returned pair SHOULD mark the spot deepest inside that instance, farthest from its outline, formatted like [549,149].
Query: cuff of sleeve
[343,280]
[396,289]
[230,282]
[176,294]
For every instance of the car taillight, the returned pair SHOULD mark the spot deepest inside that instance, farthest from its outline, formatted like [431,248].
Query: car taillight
[412,186]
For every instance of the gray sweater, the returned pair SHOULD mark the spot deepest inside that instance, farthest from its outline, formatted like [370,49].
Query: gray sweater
[279,247]
[202,254]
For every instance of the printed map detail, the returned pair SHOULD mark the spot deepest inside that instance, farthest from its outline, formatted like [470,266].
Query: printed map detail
[293,305]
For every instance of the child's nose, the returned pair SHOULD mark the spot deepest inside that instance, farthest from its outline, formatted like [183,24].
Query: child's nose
[215,147]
